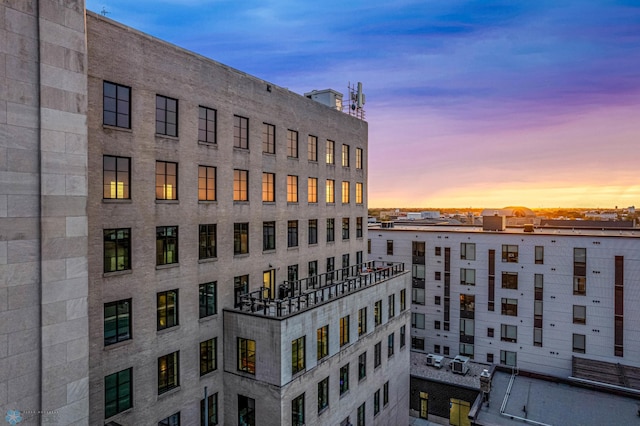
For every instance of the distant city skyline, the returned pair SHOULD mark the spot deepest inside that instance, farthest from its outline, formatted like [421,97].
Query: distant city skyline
[469,103]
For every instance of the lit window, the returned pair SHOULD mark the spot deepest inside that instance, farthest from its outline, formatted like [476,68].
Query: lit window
[323,342]
[168,372]
[167,309]
[212,410]
[166,180]
[330,152]
[330,193]
[117,249]
[116,177]
[292,189]
[247,355]
[297,355]
[312,190]
[359,193]
[359,158]
[292,144]
[268,187]
[208,362]
[345,155]
[344,330]
[345,192]
[240,185]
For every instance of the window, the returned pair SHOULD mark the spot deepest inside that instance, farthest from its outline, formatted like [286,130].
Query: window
[241,185]
[292,189]
[390,247]
[490,358]
[345,155]
[359,227]
[344,379]
[331,152]
[362,366]
[323,394]
[438,251]
[358,158]
[268,187]
[417,320]
[418,296]
[359,193]
[390,345]
[207,125]
[168,372]
[292,233]
[509,253]
[579,314]
[345,192]
[445,350]
[344,330]
[116,104]
[240,287]
[362,321]
[345,228]
[118,392]
[247,355]
[212,410]
[403,300]
[376,402]
[377,313]
[313,231]
[392,305]
[166,180]
[377,355]
[539,257]
[208,246]
[330,266]
[437,275]
[167,309]
[312,190]
[116,177]
[436,325]
[345,260]
[240,132]
[268,236]
[369,246]
[313,268]
[508,358]
[510,307]
[510,280]
[166,245]
[292,144]
[208,361]
[323,342]
[579,343]
[490,332]
[166,116]
[246,411]
[330,230]
[580,271]
[117,249]
[206,183]
[268,138]
[437,300]
[117,321]
[385,393]
[240,238]
[403,333]
[467,276]
[508,333]
[361,413]
[468,251]
[330,193]
[312,148]
[418,344]
[297,411]
[297,355]
[207,297]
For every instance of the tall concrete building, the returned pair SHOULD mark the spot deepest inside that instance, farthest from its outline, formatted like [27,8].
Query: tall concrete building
[174,228]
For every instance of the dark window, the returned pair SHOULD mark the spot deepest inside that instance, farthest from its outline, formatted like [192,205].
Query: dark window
[377,313]
[246,411]
[240,287]
[362,321]
[359,227]
[313,231]
[490,332]
[376,402]
[403,300]
[118,392]
[344,379]
[508,333]
[436,325]
[166,116]
[403,333]
[445,350]
[268,138]
[438,251]
[437,275]
[207,125]
[345,260]
[116,105]
[579,343]
[510,280]
[417,343]
[359,158]
[345,155]
[385,394]
[579,314]
[580,271]
[116,177]
[345,228]
[117,249]
[207,248]
[240,132]
[390,247]
[117,321]
[313,268]
[467,276]
[168,372]
[312,148]
[247,355]
[392,305]
[292,233]
[390,345]
[206,183]
[212,410]
[322,342]
[297,411]
[241,185]
[208,359]
[361,415]
[508,358]
[510,253]
[509,307]
[167,309]
[207,296]
[292,144]
[166,180]
[377,355]
[166,245]
[468,251]
[362,366]
[539,257]
[268,236]
[240,238]
[330,230]
[490,358]
[437,300]
[323,394]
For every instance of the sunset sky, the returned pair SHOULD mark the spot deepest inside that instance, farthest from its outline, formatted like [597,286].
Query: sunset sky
[469,103]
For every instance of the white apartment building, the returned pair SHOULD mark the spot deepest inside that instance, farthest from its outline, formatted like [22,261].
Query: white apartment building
[531,300]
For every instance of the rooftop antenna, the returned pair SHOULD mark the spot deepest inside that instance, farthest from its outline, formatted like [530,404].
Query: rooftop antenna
[104,11]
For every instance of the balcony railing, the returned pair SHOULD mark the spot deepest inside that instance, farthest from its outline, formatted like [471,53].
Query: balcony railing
[297,296]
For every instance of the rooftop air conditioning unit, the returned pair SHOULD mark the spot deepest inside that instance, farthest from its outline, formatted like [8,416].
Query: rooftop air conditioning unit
[435,360]
[460,365]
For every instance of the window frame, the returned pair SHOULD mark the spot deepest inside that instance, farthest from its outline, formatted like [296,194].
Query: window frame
[208,356]
[172,381]
[206,123]
[164,179]
[312,148]
[166,117]
[118,335]
[119,104]
[268,187]
[268,235]
[240,132]
[207,299]
[577,318]
[510,253]
[292,189]
[207,183]
[509,333]
[167,237]
[330,194]
[240,185]
[292,143]
[122,402]
[509,280]
[208,239]
[114,185]
[298,352]
[312,231]
[240,238]
[170,317]
[268,138]
[121,249]
[292,233]
[246,355]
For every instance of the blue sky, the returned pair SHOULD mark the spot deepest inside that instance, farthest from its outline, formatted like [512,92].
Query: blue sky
[469,103]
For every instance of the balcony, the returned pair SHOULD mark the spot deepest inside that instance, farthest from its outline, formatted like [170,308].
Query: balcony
[294,297]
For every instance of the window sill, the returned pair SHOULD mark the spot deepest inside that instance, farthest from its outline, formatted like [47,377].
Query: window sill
[241,202]
[269,154]
[117,345]
[268,203]
[207,318]
[240,149]
[312,203]
[270,251]
[168,266]
[208,144]
[168,330]
[240,255]
[296,248]
[292,203]
[128,410]
[167,137]
[167,201]
[208,260]
[117,200]
[293,158]
[120,129]
[207,201]
[169,392]
[117,273]
[208,373]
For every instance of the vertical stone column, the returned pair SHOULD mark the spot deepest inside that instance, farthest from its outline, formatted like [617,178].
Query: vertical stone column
[63,207]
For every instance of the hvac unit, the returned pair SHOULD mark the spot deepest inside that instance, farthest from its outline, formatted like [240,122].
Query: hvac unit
[435,360]
[460,364]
